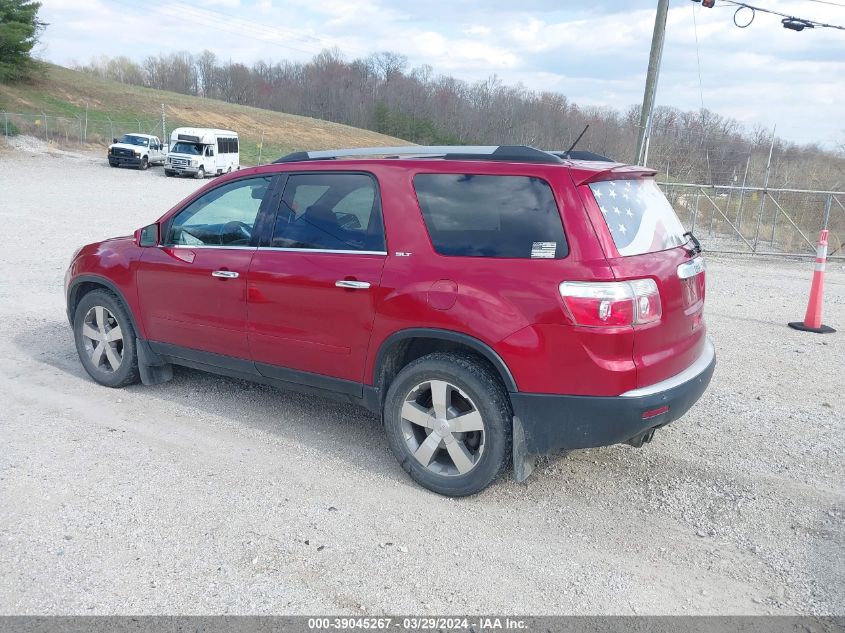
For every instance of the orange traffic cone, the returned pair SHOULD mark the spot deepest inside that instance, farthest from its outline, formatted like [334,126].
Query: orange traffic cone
[813,317]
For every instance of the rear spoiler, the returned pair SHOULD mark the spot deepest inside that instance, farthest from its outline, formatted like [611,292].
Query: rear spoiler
[616,172]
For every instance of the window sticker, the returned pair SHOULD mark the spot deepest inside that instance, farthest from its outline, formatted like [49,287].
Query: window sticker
[543,250]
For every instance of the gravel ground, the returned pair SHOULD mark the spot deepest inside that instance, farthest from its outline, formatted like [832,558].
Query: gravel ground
[210,495]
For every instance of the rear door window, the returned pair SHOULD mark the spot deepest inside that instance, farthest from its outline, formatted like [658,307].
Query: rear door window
[472,215]
[639,216]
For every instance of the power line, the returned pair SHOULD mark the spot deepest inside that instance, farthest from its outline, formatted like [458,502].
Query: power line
[241,27]
[790,22]
[223,19]
[833,4]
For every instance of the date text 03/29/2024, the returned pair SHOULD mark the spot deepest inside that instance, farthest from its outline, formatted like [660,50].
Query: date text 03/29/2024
[417,623]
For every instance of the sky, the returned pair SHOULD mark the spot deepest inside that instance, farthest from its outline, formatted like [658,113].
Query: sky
[595,53]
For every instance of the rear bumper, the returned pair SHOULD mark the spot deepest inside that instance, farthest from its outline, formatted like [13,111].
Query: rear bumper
[554,422]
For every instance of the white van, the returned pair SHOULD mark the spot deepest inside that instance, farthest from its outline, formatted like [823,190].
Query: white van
[200,152]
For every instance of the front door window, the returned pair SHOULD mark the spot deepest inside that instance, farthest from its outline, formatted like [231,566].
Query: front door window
[224,216]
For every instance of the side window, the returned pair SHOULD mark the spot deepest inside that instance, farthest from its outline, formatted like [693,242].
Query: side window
[491,216]
[224,216]
[336,211]
[221,145]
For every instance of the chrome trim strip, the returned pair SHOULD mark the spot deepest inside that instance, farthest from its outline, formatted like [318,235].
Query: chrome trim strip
[320,250]
[272,248]
[222,247]
[697,368]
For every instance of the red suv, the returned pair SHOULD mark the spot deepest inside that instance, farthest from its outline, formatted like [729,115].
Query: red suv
[489,303]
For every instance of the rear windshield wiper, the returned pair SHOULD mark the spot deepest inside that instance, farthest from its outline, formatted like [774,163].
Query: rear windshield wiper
[695,249]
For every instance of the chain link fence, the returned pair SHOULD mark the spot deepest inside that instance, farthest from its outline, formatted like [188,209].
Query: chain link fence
[79,131]
[758,220]
[727,219]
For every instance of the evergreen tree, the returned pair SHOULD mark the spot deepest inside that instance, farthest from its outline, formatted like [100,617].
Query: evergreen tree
[19,31]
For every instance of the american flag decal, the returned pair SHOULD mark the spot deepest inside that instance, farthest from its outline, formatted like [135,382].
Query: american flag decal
[638,215]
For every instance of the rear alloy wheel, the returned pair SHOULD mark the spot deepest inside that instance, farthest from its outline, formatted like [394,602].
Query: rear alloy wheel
[448,422]
[105,339]
[442,428]
[144,163]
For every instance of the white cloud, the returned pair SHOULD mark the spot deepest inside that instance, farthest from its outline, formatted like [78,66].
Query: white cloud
[595,54]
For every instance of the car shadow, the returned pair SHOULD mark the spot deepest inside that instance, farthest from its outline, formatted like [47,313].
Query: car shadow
[342,430]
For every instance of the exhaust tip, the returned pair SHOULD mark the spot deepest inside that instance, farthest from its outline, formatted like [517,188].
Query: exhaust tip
[643,438]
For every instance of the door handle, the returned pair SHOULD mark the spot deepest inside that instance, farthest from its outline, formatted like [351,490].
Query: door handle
[354,285]
[225,274]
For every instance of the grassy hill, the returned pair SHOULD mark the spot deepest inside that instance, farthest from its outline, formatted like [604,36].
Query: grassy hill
[59,100]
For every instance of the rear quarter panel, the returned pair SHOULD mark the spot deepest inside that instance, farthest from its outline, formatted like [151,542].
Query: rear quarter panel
[512,305]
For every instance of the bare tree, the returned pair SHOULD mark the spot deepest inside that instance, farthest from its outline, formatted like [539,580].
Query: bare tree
[380,93]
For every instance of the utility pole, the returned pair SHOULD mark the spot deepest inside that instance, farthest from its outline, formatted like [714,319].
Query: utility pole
[163,125]
[654,58]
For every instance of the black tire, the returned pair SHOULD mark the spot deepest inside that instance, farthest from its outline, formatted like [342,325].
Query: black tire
[201,173]
[144,163]
[127,371]
[471,376]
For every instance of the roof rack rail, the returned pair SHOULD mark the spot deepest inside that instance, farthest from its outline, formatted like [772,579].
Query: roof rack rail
[516,153]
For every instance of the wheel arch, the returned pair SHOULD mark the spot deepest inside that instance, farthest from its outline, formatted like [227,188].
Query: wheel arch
[83,284]
[393,353]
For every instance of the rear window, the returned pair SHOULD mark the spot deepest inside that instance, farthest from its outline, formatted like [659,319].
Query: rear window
[472,215]
[639,216]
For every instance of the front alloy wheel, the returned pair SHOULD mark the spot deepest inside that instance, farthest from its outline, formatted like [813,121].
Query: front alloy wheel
[105,339]
[102,339]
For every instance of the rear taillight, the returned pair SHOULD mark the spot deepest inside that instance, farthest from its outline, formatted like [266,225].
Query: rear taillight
[612,303]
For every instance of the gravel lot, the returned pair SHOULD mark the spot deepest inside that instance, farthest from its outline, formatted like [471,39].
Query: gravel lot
[210,495]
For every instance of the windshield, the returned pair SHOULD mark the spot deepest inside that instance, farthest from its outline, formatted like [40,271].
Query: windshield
[639,216]
[187,148]
[131,139]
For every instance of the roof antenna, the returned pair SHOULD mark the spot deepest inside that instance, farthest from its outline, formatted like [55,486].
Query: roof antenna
[577,139]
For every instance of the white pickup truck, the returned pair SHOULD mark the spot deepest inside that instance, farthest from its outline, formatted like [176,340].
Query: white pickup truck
[137,150]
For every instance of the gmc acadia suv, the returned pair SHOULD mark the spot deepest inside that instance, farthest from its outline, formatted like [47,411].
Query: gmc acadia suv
[489,303]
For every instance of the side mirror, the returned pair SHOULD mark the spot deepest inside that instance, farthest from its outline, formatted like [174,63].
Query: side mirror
[114,140]
[147,236]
